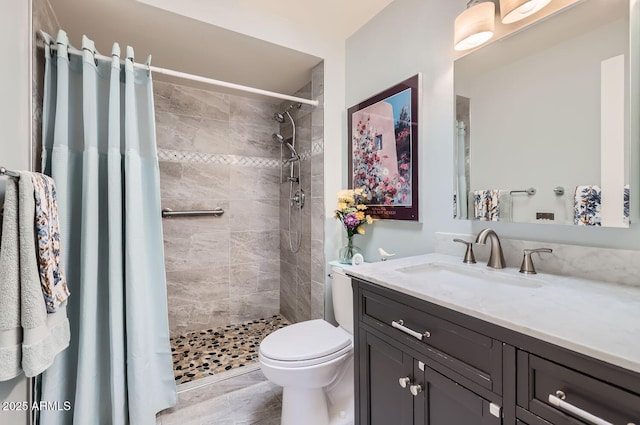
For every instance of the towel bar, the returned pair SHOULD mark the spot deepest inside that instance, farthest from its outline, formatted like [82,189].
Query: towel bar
[531,191]
[5,172]
[168,212]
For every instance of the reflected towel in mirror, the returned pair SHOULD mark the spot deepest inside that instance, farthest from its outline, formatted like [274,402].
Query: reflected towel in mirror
[485,205]
[587,206]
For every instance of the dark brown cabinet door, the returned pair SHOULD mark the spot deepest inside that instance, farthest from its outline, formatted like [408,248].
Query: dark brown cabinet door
[381,367]
[448,403]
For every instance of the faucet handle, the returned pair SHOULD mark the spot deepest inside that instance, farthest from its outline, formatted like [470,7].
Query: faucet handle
[469,258]
[527,262]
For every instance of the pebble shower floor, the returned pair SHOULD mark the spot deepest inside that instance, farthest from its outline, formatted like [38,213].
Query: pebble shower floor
[208,352]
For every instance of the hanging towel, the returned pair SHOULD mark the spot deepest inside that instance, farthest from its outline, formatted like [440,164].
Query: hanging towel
[10,331]
[54,285]
[626,204]
[587,205]
[485,205]
[31,343]
[505,205]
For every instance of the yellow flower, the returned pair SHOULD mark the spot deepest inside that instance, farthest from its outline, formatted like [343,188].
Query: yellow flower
[345,196]
[360,229]
[360,215]
[361,207]
[358,191]
[342,205]
[369,219]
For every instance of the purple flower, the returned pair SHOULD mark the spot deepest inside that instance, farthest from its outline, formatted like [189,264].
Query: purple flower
[351,221]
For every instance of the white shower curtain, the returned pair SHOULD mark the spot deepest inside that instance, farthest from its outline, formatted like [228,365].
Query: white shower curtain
[99,146]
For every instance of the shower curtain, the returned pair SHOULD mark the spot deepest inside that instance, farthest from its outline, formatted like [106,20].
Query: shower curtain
[99,146]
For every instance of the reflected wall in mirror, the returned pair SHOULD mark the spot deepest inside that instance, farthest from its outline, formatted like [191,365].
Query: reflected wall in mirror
[543,121]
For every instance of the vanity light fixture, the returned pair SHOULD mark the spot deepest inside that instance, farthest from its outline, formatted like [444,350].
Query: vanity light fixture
[475,25]
[515,10]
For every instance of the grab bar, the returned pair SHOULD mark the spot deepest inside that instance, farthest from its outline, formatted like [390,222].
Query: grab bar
[168,212]
[531,191]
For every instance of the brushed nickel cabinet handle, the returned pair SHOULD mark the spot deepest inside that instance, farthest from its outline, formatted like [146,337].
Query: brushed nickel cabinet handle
[400,325]
[415,389]
[404,381]
[558,401]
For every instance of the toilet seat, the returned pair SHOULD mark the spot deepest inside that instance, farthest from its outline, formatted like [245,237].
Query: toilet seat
[305,344]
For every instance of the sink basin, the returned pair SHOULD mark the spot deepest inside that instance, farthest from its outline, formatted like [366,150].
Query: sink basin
[467,274]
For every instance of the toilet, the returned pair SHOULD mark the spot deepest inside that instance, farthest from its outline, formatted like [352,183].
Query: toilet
[313,362]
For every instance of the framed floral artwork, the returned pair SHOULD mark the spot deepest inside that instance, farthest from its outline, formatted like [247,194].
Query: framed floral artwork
[383,151]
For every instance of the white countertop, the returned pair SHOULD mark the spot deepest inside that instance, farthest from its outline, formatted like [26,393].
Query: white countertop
[600,320]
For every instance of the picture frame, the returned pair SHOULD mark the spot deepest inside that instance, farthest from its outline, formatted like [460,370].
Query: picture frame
[383,150]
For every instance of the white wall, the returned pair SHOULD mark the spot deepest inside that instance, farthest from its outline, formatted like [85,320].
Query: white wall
[15,112]
[408,37]
[411,36]
[15,117]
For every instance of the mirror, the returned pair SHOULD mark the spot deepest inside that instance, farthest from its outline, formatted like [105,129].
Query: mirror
[542,131]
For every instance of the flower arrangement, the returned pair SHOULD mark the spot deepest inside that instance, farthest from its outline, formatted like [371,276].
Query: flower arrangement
[351,213]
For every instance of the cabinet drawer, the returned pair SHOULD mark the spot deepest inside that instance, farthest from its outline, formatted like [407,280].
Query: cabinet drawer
[565,396]
[472,355]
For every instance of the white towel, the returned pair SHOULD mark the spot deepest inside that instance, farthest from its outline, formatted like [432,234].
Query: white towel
[10,330]
[505,205]
[42,335]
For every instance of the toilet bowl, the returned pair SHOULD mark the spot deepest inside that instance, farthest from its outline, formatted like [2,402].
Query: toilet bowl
[313,362]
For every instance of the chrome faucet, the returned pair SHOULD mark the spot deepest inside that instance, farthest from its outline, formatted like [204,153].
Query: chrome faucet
[496,257]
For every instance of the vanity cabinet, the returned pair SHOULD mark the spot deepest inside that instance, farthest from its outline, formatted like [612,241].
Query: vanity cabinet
[402,390]
[421,363]
[445,374]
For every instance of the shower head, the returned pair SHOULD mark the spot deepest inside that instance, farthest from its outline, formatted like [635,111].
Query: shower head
[279,116]
[280,138]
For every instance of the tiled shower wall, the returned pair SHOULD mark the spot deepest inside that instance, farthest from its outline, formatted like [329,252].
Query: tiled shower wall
[216,150]
[302,274]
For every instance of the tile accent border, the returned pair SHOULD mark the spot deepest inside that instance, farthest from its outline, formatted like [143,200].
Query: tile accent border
[222,159]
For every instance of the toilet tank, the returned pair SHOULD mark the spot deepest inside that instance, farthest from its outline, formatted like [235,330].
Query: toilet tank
[342,296]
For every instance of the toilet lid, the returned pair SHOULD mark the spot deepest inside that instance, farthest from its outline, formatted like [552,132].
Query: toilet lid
[304,341]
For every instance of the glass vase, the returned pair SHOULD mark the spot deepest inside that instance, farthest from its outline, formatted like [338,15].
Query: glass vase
[347,252]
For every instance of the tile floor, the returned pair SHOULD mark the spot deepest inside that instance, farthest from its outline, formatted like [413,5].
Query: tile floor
[208,352]
[237,399]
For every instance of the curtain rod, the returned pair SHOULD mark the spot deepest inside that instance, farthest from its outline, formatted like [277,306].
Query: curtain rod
[183,75]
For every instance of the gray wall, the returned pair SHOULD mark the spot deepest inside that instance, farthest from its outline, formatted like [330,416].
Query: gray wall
[302,273]
[216,150]
[418,37]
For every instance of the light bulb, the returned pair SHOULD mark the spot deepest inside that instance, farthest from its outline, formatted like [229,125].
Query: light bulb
[515,10]
[527,7]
